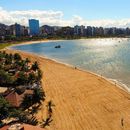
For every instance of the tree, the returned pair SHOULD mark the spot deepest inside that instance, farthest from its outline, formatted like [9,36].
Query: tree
[38,95]
[49,107]
[31,78]
[46,122]
[32,121]
[4,108]
[27,61]
[8,59]
[5,78]
[39,75]
[21,115]
[17,57]
[27,102]
[35,66]
[22,78]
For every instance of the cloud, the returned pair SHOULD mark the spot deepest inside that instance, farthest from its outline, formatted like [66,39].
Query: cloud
[45,17]
[51,17]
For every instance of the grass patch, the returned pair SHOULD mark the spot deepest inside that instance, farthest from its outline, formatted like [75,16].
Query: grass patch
[3,45]
[6,44]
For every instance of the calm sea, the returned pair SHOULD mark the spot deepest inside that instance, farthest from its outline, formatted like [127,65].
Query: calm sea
[107,57]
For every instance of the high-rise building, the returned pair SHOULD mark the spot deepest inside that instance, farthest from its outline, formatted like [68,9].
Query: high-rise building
[15,30]
[82,28]
[45,30]
[89,31]
[3,28]
[34,27]
[77,30]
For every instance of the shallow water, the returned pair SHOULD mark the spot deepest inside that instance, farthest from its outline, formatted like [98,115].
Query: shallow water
[107,57]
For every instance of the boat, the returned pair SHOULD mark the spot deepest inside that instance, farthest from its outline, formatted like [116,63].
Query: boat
[58,46]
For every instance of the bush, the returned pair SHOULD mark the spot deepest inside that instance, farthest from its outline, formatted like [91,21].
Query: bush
[4,108]
[17,57]
[5,78]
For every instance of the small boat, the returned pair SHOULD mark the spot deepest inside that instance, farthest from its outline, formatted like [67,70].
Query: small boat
[58,46]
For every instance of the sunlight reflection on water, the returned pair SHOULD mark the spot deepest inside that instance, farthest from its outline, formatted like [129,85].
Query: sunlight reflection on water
[109,57]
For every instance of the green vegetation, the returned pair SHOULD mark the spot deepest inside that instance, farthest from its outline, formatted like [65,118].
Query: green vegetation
[13,40]
[4,108]
[15,71]
[4,45]
[20,75]
[37,97]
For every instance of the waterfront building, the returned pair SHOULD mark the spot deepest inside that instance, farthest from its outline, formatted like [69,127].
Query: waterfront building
[77,30]
[34,27]
[3,28]
[82,28]
[15,30]
[89,31]
[46,30]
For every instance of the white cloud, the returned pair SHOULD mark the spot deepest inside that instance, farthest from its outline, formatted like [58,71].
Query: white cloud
[51,17]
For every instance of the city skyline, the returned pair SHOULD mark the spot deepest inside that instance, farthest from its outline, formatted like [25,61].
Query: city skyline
[67,13]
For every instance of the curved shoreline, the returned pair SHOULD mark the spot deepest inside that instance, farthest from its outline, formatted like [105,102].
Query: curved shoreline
[113,81]
[34,42]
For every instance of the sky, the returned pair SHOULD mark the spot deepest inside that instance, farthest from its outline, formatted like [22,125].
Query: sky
[106,13]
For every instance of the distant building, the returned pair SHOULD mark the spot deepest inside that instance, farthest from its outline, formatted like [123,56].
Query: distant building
[82,28]
[3,28]
[77,30]
[56,28]
[106,31]
[45,30]
[15,30]
[34,27]
[127,31]
[24,31]
[89,31]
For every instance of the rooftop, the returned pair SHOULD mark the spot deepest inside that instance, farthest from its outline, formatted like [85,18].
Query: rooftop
[15,99]
[21,127]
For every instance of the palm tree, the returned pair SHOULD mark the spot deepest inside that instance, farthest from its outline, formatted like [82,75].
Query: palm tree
[49,107]
[22,78]
[26,64]
[35,66]
[22,116]
[46,122]
[39,75]
[17,57]
[4,108]
[27,61]
[33,110]
[32,121]
[31,78]
[38,95]
[27,102]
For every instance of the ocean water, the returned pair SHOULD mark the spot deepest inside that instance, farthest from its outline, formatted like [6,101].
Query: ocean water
[107,57]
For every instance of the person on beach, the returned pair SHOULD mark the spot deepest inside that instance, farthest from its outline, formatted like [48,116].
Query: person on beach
[122,122]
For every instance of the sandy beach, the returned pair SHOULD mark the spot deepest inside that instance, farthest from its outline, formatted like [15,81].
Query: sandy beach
[33,42]
[83,101]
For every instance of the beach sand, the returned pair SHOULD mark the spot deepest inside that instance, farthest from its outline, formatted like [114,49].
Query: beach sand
[83,101]
[33,42]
